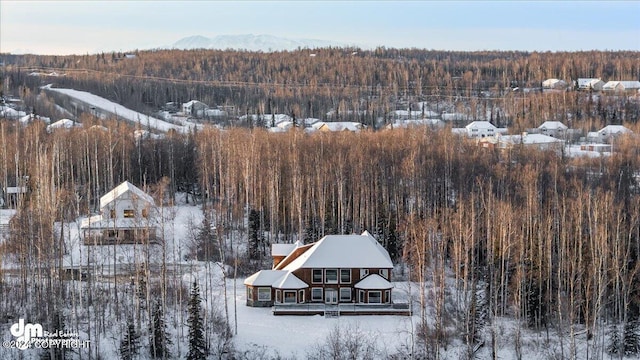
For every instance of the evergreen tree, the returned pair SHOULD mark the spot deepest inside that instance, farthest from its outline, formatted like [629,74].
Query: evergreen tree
[614,345]
[159,340]
[197,346]
[129,345]
[56,352]
[206,244]
[631,338]
[254,237]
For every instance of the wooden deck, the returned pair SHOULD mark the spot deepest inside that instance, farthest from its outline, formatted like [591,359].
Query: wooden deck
[335,310]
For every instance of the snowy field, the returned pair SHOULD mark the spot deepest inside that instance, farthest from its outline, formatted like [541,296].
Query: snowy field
[120,111]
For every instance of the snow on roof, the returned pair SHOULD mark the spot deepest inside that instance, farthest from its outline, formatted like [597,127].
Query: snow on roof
[265,277]
[373,282]
[553,82]
[289,281]
[613,129]
[16,190]
[553,125]
[335,251]
[338,125]
[626,85]
[63,124]
[122,189]
[585,82]
[529,139]
[480,125]
[282,249]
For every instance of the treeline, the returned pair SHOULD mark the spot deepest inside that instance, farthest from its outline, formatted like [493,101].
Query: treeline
[360,85]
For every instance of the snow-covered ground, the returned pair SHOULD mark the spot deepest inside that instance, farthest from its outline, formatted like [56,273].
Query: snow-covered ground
[119,110]
[258,331]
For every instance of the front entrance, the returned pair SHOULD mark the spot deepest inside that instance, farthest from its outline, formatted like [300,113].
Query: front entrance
[330,296]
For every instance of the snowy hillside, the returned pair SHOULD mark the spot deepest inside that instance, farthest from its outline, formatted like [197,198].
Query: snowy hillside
[117,110]
[264,43]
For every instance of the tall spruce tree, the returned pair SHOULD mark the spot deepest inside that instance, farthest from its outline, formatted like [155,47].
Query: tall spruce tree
[197,345]
[159,340]
[130,344]
[254,236]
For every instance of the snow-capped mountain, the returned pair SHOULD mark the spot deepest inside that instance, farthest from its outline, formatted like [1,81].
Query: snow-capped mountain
[265,43]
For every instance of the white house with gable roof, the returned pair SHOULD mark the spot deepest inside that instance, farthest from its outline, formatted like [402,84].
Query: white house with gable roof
[327,276]
[479,129]
[126,217]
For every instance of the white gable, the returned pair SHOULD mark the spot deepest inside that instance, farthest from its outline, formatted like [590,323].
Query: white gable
[265,277]
[122,189]
[289,281]
[372,282]
[553,125]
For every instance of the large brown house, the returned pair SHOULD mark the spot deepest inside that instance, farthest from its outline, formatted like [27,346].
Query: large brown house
[347,274]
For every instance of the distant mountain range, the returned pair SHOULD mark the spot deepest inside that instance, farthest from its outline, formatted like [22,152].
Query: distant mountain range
[264,43]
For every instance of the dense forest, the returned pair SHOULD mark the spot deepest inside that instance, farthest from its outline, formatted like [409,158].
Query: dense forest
[550,240]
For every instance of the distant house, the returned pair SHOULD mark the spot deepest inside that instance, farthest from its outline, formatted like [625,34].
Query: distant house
[620,86]
[553,128]
[538,141]
[63,124]
[337,126]
[589,84]
[195,108]
[327,276]
[126,217]
[608,133]
[554,84]
[479,129]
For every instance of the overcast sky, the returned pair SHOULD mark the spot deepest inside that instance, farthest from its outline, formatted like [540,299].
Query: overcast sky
[80,27]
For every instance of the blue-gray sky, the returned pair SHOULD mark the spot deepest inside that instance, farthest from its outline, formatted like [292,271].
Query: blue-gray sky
[80,27]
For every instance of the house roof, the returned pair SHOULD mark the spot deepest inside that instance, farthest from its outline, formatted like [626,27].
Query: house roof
[529,139]
[553,125]
[62,124]
[282,249]
[265,277]
[614,129]
[336,251]
[415,123]
[289,281]
[626,85]
[480,125]
[121,190]
[553,82]
[373,281]
[338,125]
[586,82]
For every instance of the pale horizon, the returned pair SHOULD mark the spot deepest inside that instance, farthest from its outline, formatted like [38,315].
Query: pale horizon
[88,27]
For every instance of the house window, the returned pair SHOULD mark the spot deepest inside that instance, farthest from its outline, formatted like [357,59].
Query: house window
[345,294]
[316,277]
[375,297]
[384,273]
[361,295]
[289,296]
[364,273]
[301,296]
[129,213]
[112,213]
[278,296]
[345,276]
[331,276]
[387,295]
[250,293]
[316,294]
[264,294]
